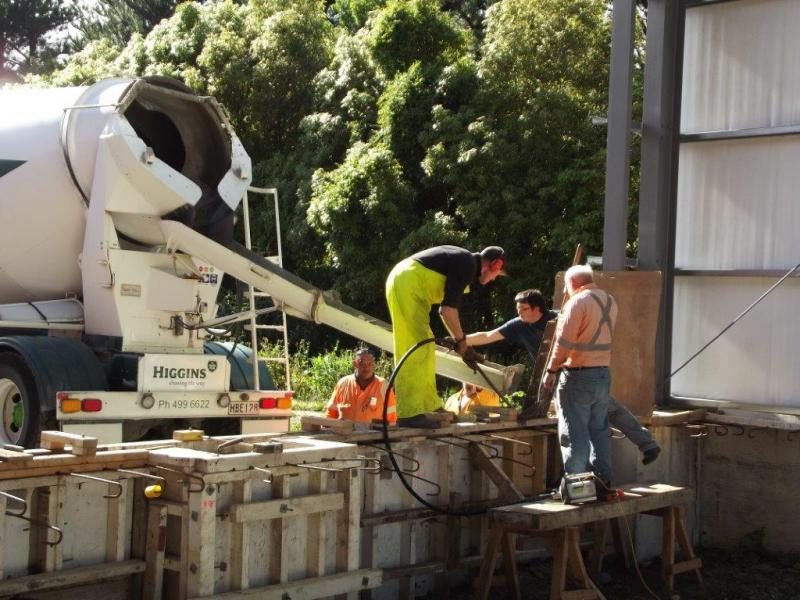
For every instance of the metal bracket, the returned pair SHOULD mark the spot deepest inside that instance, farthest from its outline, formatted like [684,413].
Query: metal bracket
[235,440]
[268,473]
[116,484]
[16,499]
[513,441]
[191,477]
[44,524]
[413,469]
[158,478]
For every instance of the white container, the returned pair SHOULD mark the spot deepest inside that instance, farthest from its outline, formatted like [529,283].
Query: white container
[54,135]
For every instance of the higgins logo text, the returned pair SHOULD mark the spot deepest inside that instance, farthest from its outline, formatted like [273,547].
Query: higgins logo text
[179,373]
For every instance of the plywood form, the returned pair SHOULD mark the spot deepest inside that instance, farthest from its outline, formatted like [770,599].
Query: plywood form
[638,295]
[240,520]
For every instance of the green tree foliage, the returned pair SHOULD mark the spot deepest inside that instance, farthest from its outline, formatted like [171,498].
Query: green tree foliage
[393,125]
[23,44]
[117,20]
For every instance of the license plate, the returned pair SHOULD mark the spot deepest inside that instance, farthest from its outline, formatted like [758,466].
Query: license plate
[243,408]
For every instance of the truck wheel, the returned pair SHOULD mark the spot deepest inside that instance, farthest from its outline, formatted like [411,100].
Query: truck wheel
[19,405]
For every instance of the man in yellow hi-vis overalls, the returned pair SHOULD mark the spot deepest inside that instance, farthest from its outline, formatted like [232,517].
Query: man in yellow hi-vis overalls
[439,275]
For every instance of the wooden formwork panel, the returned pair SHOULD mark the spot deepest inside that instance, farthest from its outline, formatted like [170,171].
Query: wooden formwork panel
[308,516]
[419,548]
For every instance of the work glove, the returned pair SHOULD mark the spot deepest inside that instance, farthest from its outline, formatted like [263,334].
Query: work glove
[469,356]
[448,342]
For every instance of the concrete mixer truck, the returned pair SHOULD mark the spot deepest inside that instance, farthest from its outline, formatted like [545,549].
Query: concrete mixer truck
[117,202]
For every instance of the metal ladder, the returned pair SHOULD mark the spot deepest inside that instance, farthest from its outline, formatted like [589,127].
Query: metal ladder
[253,294]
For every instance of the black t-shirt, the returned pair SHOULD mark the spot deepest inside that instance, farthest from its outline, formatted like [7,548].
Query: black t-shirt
[529,335]
[459,266]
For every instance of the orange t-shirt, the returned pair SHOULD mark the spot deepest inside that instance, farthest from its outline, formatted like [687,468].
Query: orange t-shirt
[355,404]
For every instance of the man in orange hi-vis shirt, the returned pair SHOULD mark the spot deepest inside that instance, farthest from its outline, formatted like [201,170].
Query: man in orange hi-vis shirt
[579,362]
[359,397]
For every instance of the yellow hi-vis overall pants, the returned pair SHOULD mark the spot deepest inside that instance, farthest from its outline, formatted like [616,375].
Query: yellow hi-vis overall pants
[411,291]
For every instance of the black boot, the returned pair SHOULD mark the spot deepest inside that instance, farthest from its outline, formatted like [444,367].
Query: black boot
[650,455]
[418,421]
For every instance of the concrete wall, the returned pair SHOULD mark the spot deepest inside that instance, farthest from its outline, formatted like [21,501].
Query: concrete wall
[749,480]
[676,465]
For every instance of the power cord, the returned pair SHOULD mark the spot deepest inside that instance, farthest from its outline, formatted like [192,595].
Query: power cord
[629,537]
[446,510]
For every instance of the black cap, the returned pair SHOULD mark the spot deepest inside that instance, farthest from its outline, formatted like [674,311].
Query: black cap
[491,253]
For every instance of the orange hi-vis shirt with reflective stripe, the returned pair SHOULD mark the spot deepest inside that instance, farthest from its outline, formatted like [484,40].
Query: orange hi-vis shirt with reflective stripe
[585,328]
[355,404]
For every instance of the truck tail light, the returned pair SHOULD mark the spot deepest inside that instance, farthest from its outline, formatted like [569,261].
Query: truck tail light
[285,403]
[267,403]
[70,405]
[91,405]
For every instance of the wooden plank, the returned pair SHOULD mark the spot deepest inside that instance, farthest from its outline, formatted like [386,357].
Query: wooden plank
[43,507]
[279,547]
[665,418]
[508,491]
[317,533]
[156,546]
[60,464]
[668,547]
[202,537]
[558,578]
[12,456]
[404,433]
[445,537]
[71,577]
[312,423]
[81,445]
[315,587]
[286,507]
[240,539]
[537,398]
[510,562]
[782,422]
[348,522]
[549,514]
[139,522]
[272,447]
[484,582]
[116,522]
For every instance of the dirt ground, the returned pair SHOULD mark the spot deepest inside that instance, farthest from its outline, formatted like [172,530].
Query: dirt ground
[746,574]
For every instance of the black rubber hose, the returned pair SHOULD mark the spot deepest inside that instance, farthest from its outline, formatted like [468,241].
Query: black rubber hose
[387,443]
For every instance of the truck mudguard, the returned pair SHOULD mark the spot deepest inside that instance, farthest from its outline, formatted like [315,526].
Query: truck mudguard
[57,364]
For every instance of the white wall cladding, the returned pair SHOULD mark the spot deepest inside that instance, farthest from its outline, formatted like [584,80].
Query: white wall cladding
[755,362]
[738,203]
[741,66]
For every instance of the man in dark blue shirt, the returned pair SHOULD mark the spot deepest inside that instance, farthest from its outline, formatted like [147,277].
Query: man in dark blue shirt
[527,330]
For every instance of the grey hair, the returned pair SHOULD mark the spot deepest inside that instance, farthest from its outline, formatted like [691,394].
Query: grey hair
[362,351]
[578,275]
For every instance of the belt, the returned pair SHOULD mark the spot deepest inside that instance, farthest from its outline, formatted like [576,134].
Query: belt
[582,368]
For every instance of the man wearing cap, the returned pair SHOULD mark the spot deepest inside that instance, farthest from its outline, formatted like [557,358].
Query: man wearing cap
[527,330]
[579,363]
[439,275]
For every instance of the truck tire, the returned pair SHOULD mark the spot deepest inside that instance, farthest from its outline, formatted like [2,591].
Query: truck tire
[19,403]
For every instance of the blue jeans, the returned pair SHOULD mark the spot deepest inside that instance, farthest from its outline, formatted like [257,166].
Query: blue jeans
[621,418]
[582,399]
